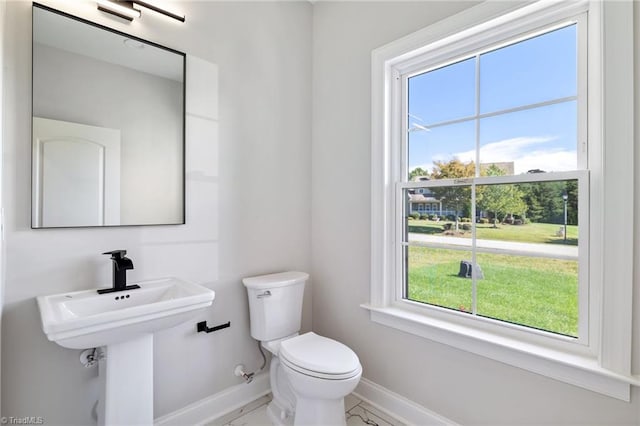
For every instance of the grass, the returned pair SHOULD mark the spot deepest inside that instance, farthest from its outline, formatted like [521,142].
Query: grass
[531,233]
[536,292]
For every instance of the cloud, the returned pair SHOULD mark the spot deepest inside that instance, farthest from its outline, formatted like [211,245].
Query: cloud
[504,150]
[527,153]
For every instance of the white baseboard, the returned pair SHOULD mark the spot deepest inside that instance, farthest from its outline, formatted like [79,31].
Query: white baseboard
[235,397]
[217,405]
[398,406]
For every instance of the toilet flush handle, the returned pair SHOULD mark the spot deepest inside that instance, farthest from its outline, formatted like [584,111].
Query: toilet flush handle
[265,294]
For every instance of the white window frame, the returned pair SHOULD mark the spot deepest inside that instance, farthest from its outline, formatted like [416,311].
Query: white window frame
[602,360]
[571,344]
[404,70]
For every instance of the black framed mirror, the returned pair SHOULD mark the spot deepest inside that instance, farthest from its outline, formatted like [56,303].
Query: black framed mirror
[108,126]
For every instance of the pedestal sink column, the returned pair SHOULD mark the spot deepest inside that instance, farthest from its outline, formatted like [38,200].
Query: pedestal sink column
[126,383]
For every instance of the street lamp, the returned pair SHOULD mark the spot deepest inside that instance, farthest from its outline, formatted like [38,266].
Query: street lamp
[565,197]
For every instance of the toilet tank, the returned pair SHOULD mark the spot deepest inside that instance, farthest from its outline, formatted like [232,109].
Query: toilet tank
[275,304]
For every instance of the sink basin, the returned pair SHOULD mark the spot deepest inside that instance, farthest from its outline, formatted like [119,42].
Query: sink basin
[122,324]
[86,319]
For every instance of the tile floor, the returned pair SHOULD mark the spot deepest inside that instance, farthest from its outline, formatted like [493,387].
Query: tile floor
[255,414]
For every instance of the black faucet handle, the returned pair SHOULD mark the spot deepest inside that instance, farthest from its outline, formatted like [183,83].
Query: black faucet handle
[116,254]
[124,263]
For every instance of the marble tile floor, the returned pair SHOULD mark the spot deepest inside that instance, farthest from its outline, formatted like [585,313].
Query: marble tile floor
[358,413]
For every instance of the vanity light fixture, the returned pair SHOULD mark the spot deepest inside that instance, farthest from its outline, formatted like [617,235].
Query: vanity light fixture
[125,9]
[122,9]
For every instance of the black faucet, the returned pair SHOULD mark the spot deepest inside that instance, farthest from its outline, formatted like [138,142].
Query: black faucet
[120,266]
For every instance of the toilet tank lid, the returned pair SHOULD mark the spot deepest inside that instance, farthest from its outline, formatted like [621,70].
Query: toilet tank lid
[281,279]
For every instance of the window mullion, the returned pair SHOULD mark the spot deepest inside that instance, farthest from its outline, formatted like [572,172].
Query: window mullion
[472,213]
[502,112]
[474,261]
[477,117]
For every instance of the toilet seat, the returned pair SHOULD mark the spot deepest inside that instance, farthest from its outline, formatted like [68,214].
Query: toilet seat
[317,374]
[319,357]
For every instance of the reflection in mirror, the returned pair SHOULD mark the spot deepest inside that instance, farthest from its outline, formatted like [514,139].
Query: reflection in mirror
[108,126]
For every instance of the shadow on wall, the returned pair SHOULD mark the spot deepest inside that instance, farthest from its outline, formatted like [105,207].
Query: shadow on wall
[74,384]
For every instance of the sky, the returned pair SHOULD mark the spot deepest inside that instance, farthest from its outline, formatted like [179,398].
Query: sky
[536,70]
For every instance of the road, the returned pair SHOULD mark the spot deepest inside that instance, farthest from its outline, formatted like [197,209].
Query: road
[554,251]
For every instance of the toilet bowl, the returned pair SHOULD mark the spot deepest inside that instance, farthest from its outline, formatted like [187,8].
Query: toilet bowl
[321,373]
[310,374]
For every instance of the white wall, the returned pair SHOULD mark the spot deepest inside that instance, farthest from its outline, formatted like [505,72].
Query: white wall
[142,106]
[466,388]
[636,243]
[241,216]
[240,200]
[3,9]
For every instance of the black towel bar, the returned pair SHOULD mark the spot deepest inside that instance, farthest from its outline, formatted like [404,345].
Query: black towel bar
[202,326]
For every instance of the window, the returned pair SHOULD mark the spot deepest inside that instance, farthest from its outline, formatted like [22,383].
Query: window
[482,128]
[497,115]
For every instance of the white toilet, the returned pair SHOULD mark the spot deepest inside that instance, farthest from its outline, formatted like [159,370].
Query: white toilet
[310,374]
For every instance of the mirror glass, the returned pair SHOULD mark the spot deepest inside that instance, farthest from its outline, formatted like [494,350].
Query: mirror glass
[108,126]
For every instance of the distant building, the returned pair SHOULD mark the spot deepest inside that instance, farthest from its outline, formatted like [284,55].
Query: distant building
[423,201]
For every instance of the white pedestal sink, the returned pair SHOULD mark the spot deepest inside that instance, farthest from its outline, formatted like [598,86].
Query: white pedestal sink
[123,324]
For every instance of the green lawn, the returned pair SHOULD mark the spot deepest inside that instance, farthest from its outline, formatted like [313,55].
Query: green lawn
[536,292]
[529,233]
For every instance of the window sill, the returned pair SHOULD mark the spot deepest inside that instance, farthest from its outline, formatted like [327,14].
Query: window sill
[577,370]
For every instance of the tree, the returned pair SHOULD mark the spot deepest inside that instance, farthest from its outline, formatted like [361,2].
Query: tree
[500,199]
[418,171]
[455,197]
[545,204]
[453,169]
[572,202]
